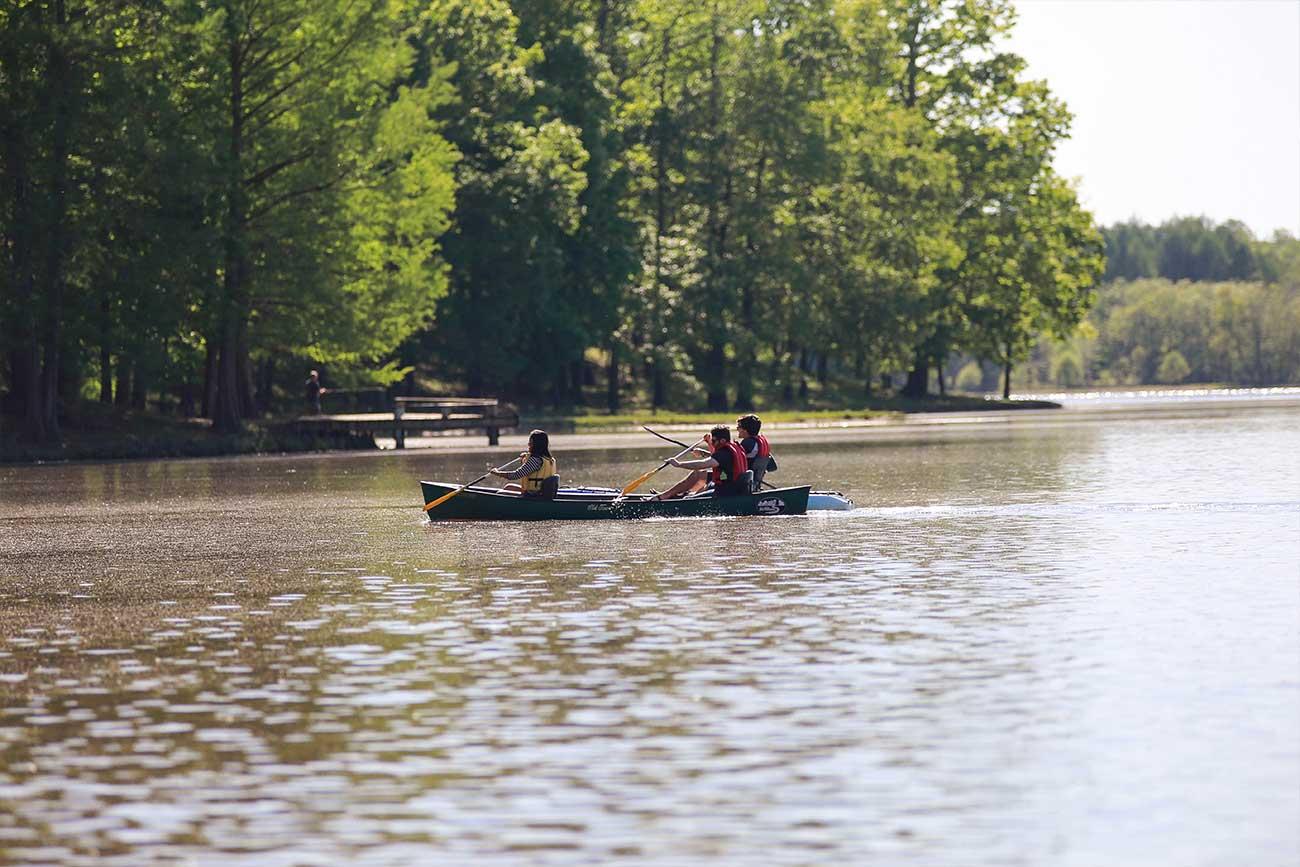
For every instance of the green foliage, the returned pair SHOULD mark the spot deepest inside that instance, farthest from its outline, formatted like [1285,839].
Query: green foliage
[1185,248]
[723,204]
[970,377]
[1173,368]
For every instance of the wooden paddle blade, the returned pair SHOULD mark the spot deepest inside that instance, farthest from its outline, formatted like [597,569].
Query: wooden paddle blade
[641,481]
[444,498]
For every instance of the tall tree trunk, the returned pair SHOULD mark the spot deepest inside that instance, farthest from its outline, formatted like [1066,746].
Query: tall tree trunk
[59,78]
[24,363]
[139,389]
[748,350]
[244,365]
[226,415]
[105,347]
[209,404]
[611,377]
[918,378]
[124,365]
[658,386]
[1006,378]
[718,195]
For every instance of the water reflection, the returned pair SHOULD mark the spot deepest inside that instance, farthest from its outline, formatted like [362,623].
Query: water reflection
[1063,646]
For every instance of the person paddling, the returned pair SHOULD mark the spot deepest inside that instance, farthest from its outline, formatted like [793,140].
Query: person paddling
[725,466]
[538,476]
[757,451]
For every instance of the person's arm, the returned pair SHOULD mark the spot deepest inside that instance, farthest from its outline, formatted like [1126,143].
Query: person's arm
[532,465]
[701,464]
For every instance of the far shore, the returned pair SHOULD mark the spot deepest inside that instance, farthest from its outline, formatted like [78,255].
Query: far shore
[172,439]
[899,427]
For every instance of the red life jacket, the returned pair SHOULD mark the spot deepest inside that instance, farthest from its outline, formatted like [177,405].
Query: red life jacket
[739,463]
[764,450]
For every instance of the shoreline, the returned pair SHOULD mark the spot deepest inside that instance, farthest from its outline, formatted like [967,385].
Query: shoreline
[1084,407]
[910,426]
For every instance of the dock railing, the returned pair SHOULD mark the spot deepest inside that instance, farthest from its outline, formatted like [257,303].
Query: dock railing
[450,413]
[412,415]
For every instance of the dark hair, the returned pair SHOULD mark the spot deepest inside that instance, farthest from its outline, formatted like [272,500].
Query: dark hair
[539,444]
[721,432]
[750,423]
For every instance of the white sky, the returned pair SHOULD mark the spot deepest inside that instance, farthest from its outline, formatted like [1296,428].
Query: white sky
[1182,107]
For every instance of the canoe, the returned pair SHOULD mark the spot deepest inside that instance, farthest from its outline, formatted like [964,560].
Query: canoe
[818,501]
[489,504]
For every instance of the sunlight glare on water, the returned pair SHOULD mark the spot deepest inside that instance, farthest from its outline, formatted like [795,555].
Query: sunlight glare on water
[1074,645]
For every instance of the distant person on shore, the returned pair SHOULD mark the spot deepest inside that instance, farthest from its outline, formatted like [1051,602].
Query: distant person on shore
[312,391]
[539,474]
[757,451]
[725,466]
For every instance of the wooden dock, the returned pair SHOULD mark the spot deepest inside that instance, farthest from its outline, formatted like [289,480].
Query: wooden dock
[415,415]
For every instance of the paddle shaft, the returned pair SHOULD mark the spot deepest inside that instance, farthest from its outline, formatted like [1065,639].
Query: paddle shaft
[670,439]
[445,497]
[642,480]
[764,483]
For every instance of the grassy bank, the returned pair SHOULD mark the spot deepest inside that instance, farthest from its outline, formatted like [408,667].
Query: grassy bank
[93,432]
[882,409]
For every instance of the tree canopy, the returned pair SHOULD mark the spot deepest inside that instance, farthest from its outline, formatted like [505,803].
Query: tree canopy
[655,201]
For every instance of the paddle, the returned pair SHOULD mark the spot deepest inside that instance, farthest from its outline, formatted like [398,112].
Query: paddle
[445,497]
[764,483]
[643,479]
[670,439]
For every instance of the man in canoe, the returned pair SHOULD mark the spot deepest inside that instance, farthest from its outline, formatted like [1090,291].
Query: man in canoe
[757,451]
[725,466]
[537,476]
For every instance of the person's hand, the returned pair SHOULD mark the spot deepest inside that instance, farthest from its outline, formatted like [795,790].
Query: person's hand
[495,471]
[673,462]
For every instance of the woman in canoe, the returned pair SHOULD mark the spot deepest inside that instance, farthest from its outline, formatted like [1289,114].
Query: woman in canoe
[538,476]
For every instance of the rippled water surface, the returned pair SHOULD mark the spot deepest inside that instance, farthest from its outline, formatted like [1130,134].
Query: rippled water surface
[1075,645]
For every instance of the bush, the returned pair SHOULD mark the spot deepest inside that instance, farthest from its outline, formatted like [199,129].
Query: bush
[1067,371]
[1173,368]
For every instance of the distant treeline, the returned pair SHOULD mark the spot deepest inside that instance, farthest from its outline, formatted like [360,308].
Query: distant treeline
[678,203]
[1188,301]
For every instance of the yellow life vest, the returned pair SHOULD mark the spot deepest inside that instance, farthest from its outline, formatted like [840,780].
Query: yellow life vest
[532,483]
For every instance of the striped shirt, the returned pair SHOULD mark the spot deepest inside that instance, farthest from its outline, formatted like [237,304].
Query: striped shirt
[532,465]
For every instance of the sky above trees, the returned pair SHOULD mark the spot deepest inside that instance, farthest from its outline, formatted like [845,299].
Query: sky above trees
[1180,107]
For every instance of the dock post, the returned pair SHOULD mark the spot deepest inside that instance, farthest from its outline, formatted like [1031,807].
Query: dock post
[494,436]
[399,435]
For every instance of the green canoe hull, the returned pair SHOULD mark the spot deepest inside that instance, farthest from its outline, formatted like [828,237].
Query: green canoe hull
[486,504]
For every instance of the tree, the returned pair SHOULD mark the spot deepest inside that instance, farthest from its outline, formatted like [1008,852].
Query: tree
[331,182]
[511,319]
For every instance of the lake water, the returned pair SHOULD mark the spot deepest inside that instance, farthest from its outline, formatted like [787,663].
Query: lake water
[1072,644]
